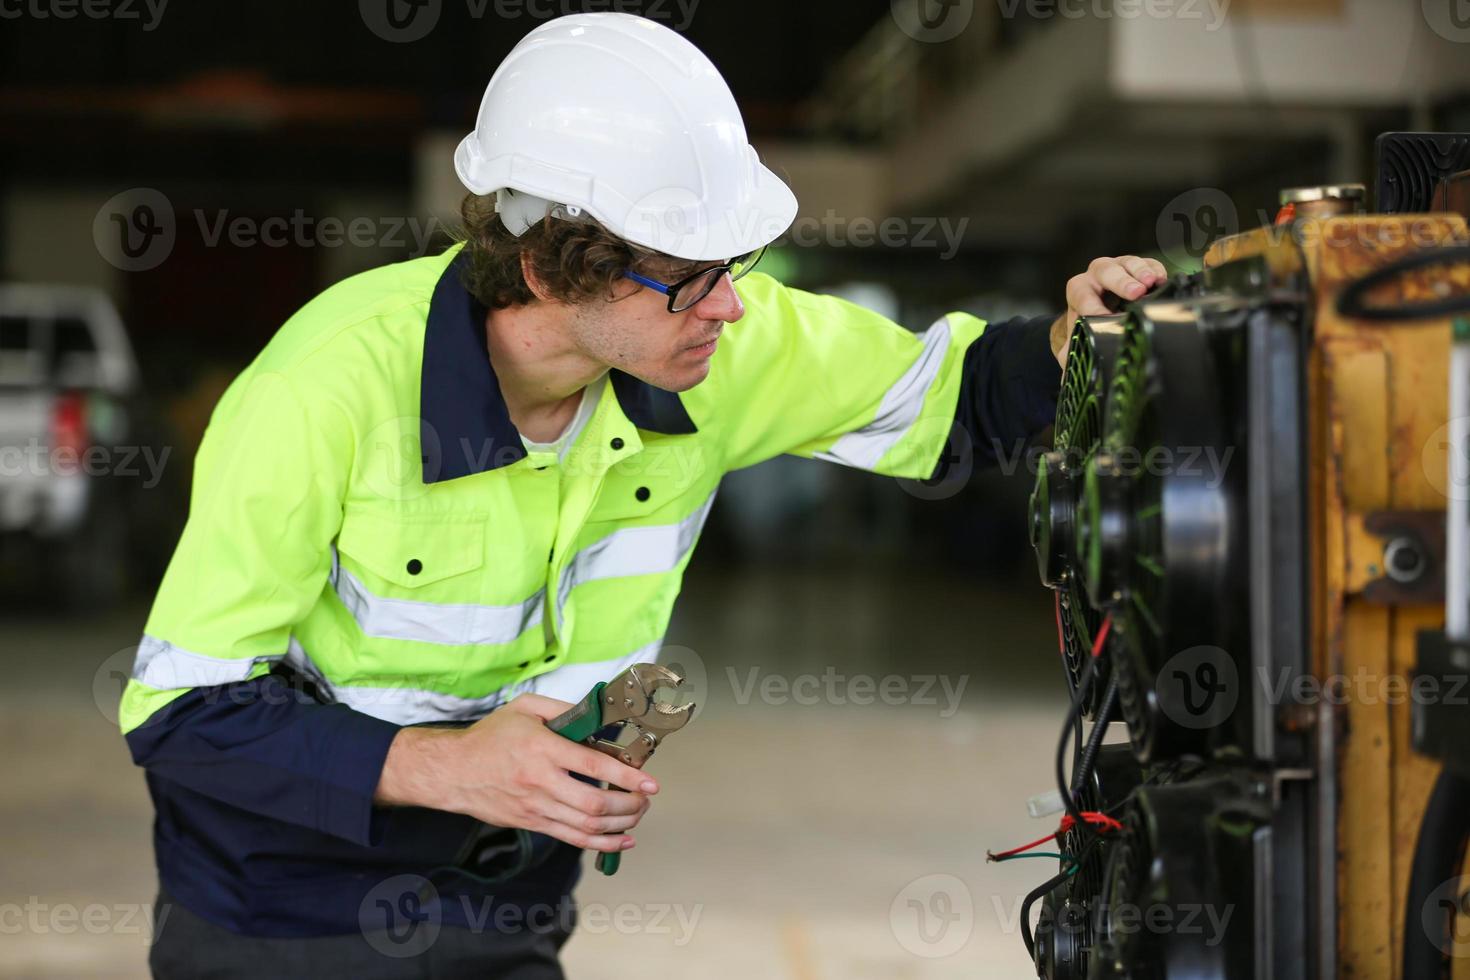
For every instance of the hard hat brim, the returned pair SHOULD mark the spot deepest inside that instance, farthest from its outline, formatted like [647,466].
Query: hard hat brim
[674,221]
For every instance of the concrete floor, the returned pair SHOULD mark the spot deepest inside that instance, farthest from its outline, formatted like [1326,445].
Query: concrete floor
[799,835]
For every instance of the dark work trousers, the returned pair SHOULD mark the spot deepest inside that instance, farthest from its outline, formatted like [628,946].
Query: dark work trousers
[190,948]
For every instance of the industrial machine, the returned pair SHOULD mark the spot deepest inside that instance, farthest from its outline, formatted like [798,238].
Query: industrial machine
[1254,518]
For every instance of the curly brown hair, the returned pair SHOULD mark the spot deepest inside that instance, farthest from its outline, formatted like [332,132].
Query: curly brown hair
[575,260]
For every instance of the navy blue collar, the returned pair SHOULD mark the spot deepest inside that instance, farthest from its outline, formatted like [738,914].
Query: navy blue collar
[464,426]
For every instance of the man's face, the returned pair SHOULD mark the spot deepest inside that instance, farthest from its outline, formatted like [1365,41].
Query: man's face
[637,334]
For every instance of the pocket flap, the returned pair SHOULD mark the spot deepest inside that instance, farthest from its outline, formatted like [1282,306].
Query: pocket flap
[414,552]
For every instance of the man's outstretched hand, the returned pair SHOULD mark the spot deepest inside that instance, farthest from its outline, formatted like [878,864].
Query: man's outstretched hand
[1127,276]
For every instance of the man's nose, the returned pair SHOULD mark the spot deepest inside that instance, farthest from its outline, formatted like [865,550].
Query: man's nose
[722,303]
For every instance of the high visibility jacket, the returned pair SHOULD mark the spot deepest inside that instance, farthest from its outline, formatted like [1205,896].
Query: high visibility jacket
[365,515]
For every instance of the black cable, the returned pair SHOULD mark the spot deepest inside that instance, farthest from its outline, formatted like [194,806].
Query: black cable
[1101,933]
[1044,889]
[1067,671]
[1041,891]
[1089,671]
[1077,747]
[1071,691]
[1350,303]
[1083,769]
[1438,858]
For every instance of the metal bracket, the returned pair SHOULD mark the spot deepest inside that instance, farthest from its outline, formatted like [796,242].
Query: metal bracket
[1410,571]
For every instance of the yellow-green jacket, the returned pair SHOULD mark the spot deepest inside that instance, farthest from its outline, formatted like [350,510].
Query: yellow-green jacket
[365,515]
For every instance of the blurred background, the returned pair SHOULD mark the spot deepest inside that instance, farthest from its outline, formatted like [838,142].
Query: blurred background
[176,179]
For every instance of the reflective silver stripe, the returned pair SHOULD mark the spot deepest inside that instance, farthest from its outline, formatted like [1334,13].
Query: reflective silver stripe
[297,658]
[633,551]
[436,622]
[409,706]
[571,682]
[864,448]
[163,666]
[400,705]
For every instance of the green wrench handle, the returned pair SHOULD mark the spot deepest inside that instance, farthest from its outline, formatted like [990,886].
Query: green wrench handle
[580,722]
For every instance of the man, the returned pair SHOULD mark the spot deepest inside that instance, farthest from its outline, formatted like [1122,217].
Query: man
[472,482]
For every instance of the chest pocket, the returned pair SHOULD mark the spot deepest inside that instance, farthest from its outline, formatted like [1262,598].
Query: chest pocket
[416,552]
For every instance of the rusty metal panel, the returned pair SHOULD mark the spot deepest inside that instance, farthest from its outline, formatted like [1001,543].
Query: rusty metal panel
[1378,406]
[1365,859]
[1386,387]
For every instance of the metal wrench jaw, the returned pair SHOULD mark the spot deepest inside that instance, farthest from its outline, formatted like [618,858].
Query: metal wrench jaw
[631,745]
[630,697]
[628,701]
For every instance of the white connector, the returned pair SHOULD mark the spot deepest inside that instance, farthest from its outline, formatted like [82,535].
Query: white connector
[1044,804]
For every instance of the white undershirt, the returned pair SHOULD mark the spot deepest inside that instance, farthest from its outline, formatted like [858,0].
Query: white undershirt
[590,396]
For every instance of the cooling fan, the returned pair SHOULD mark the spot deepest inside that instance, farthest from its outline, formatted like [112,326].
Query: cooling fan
[1411,165]
[1076,436]
[1177,896]
[1159,522]
[1064,933]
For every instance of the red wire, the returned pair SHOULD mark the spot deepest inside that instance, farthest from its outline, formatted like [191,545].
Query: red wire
[1061,639]
[1091,816]
[1025,847]
[1094,817]
[1102,635]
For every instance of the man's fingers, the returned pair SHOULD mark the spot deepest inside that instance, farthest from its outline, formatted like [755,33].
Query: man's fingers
[592,802]
[1147,271]
[619,823]
[584,840]
[1114,276]
[1127,276]
[579,758]
[613,825]
[590,762]
[536,706]
[1084,296]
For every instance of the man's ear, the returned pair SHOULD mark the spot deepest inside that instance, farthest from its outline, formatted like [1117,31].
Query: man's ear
[533,282]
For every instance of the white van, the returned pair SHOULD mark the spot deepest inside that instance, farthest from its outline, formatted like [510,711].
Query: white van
[69,386]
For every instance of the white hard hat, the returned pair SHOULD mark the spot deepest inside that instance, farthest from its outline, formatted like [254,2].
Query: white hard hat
[624,120]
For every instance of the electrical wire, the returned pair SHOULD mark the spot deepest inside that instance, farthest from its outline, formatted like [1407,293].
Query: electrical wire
[1091,816]
[1035,854]
[1044,889]
[1061,637]
[1067,672]
[1102,636]
[1082,771]
[1089,671]
[1080,820]
[1032,897]
[1063,787]
[1351,301]
[1006,855]
[1430,936]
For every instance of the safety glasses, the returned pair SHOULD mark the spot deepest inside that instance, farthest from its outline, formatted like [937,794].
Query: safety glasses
[690,290]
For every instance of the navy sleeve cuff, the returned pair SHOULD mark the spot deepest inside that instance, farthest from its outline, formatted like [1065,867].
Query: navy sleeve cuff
[354,767]
[267,747]
[1009,390]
